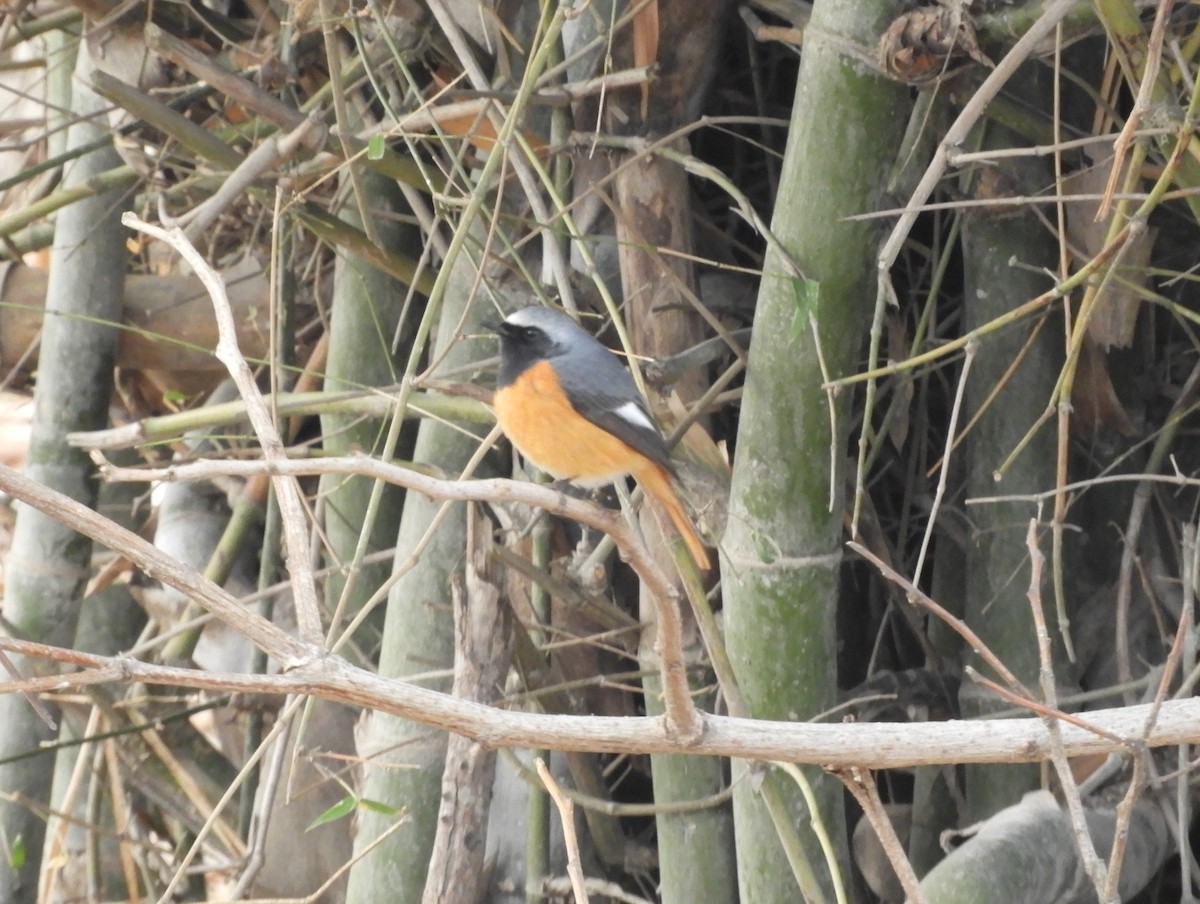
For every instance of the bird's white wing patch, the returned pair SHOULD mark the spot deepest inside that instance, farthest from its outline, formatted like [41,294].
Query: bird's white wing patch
[632,412]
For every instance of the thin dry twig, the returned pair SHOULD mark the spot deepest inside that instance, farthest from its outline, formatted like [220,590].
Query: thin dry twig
[36,704]
[269,153]
[1137,782]
[1092,864]
[205,68]
[919,597]
[1140,105]
[566,812]
[287,490]
[861,785]
[1183,797]
[951,441]
[1184,631]
[524,161]
[1019,695]
[123,811]
[957,134]
[1039,709]
[429,116]
[266,806]
[213,821]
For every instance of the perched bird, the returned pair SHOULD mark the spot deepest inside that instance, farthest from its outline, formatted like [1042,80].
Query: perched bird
[571,408]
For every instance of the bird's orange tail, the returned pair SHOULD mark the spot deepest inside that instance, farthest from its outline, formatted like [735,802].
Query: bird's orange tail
[657,484]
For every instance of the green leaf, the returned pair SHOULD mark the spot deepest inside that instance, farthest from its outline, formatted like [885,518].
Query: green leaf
[174,396]
[348,805]
[808,294]
[16,853]
[376,146]
[376,807]
[765,547]
[343,807]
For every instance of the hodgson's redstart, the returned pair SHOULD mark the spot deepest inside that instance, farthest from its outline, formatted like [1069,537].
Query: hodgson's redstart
[571,408]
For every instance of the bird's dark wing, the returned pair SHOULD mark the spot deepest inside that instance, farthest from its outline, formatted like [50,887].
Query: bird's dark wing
[601,389]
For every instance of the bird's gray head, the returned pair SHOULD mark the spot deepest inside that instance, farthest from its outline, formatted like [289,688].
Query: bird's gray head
[535,334]
[558,328]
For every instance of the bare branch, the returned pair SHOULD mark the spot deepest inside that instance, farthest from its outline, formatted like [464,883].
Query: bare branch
[291,505]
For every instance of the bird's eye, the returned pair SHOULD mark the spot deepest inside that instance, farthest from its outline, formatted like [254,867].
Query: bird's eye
[530,332]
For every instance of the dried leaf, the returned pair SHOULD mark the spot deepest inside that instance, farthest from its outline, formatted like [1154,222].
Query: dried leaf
[1093,396]
[646,34]
[920,46]
[1114,317]
[482,134]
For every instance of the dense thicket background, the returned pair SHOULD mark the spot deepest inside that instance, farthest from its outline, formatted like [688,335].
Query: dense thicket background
[914,291]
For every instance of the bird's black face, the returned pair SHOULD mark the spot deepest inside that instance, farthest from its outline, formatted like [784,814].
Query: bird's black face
[520,348]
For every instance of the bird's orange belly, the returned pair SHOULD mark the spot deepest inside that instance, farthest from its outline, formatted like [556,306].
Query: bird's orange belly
[539,419]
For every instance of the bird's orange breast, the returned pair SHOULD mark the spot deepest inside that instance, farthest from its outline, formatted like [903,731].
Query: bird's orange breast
[538,418]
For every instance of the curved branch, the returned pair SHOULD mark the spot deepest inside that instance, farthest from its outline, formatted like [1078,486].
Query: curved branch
[682,717]
[312,670]
[875,745]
